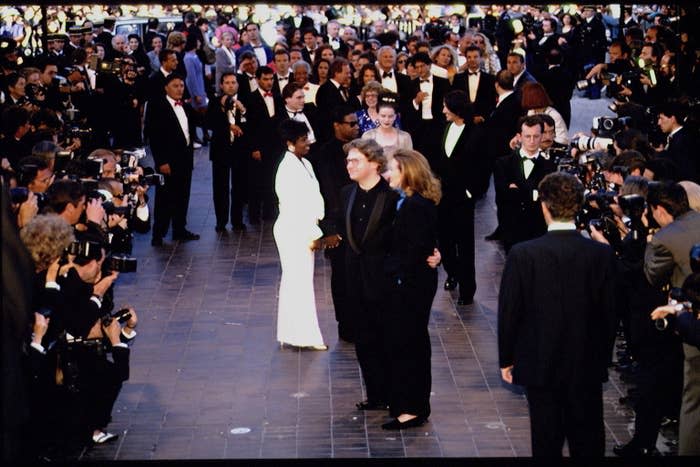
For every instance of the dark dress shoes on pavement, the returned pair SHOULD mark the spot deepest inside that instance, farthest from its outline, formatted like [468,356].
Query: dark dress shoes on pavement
[367,405]
[186,236]
[450,283]
[395,424]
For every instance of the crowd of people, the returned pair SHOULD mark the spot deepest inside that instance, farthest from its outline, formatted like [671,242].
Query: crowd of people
[372,145]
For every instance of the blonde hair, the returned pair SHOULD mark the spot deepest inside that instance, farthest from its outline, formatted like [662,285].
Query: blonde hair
[417,176]
[46,236]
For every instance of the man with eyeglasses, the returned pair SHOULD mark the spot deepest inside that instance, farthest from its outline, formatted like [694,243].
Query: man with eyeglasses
[329,166]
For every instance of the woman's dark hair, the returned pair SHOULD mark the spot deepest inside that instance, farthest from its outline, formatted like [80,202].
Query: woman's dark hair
[388,99]
[191,43]
[292,130]
[370,67]
[457,103]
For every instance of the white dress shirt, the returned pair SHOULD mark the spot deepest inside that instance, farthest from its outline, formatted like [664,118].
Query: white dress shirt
[528,162]
[269,102]
[181,118]
[390,81]
[260,54]
[300,116]
[453,133]
[426,110]
[473,84]
[282,81]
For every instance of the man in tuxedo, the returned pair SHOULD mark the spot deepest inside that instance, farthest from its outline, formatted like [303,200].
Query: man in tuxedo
[156,82]
[556,325]
[390,79]
[228,153]
[247,82]
[458,166]
[515,63]
[225,57]
[680,144]
[479,87]
[105,37]
[559,83]
[295,108]
[332,93]
[332,37]
[425,118]
[298,20]
[263,110]
[283,75]
[262,51]
[516,177]
[308,53]
[540,45]
[329,165]
[170,126]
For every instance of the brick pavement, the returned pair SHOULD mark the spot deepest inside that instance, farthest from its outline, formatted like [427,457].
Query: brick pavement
[208,380]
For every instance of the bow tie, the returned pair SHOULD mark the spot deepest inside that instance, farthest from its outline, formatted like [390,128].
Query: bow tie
[533,159]
[178,102]
[267,94]
[387,75]
[282,78]
[425,80]
[294,114]
[250,78]
[473,73]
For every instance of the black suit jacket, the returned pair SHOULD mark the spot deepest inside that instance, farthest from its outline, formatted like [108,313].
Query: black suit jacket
[262,129]
[329,97]
[525,78]
[441,86]
[168,143]
[485,100]
[464,169]
[156,85]
[365,256]
[556,310]
[221,148]
[682,151]
[559,84]
[329,166]
[522,214]
[306,22]
[502,125]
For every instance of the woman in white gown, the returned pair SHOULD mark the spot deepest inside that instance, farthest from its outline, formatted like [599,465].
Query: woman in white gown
[297,236]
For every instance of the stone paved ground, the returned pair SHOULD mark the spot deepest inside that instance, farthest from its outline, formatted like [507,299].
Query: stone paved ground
[208,380]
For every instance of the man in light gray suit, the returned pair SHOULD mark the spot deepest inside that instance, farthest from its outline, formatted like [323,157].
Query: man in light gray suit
[225,57]
[667,261]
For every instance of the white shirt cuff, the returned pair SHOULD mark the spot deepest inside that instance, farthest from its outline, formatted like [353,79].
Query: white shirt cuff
[142,212]
[52,285]
[38,347]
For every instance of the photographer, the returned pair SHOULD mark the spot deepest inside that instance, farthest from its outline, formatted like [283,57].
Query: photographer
[126,95]
[680,143]
[68,199]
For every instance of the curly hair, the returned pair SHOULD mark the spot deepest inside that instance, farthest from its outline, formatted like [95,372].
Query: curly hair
[46,236]
[417,176]
[371,150]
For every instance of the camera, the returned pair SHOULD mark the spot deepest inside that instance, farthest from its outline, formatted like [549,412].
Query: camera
[592,143]
[603,78]
[123,315]
[85,249]
[20,194]
[110,209]
[633,206]
[122,263]
[130,158]
[609,126]
[229,103]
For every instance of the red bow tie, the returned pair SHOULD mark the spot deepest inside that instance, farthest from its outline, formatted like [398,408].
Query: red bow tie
[178,103]
[268,94]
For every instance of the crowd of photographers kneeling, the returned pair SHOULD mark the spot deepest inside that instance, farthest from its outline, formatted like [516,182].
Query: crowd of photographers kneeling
[77,222]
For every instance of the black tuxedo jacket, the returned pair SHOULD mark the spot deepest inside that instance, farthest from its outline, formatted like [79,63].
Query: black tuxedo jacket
[404,88]
[559,84]
[525,78]
[156,86]
[683,152]
[329,166]
[342,50]
[168,143]
[244,89]
[485,100]
[556,310]
[522,217]
[250,48]
[306,55]
[306,22]
[441,86]
[502,125]
[221,148]
[329,97]
[365,256]
[465,167]
[262,130]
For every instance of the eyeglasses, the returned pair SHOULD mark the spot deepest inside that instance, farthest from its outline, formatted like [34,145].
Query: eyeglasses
[351,123]
[401,62]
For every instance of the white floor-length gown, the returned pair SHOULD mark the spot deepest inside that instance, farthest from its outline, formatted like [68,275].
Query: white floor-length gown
[300,209]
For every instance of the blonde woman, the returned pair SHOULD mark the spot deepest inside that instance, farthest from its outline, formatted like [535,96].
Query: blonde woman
[491,63]
[412,284]
[445,62]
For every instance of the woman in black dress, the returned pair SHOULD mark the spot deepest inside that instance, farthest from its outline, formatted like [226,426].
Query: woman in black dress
[412,286]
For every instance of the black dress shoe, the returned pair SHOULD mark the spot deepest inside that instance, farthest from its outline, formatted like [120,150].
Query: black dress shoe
[495,235]
[367,405]
[220,228]
[186,236]
[450,283]
[239,226]
[395,424]
[461,301]
[157,241]
[632,449]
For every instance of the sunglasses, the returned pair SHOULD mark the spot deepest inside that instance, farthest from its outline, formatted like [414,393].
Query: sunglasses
[353,123]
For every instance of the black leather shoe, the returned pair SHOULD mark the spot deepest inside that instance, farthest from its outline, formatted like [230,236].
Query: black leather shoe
[631,449]
[367,405]
[220,228]
[450,283]
[186,236]
[395,424]
[462,301]
[157,241]
[495,235]
[239,226]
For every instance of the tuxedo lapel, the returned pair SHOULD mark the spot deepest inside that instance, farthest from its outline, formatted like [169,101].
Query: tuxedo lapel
[375,215]
[348,223]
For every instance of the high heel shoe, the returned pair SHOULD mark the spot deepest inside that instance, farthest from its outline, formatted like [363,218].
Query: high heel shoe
[318,347]
[395,424]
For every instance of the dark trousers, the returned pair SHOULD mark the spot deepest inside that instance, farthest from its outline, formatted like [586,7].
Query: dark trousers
[571,412]
[408,345]
[370,348]
[426,137]
[261,188]
[347,328]
[228,185]
[456,233]
[171,203]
